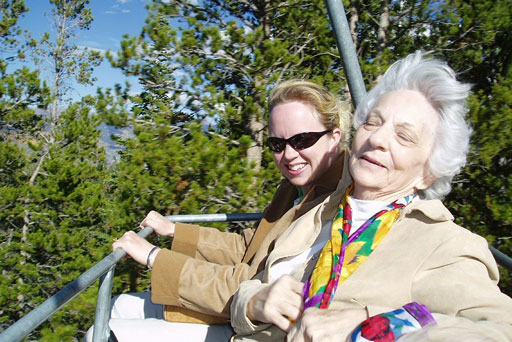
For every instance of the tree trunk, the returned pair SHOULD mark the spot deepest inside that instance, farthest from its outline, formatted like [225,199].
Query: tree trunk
[383,27]
[255,151]
[354,19]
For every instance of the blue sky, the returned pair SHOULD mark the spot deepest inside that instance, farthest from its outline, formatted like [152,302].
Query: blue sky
[112,19]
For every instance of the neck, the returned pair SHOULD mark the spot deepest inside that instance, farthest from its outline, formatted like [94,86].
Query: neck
[372,195]
[330,176]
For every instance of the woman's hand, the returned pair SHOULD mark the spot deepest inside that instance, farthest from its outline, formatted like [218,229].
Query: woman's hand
[160,224]
[279,303]
[326,325]
[135,246]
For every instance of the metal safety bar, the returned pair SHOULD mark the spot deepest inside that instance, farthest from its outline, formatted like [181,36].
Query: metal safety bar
[501,258]
[105,271]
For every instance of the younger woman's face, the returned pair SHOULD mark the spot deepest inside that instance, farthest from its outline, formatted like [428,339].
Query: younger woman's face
[302,167]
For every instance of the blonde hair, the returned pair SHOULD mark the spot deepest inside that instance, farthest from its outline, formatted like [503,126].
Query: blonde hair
[332,113]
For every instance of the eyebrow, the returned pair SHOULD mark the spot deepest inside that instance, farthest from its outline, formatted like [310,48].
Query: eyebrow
[405,125]
[378,113]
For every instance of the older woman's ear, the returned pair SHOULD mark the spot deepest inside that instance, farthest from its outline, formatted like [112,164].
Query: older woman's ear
[427,180]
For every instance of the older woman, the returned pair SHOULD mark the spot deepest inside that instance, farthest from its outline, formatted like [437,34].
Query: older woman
[393,260]
[195,280]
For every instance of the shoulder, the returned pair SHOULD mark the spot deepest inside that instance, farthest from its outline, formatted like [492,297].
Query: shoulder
[431,224]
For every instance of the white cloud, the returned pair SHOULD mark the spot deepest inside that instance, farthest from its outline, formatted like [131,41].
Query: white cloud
[91,44]
[220,107]
[81,47]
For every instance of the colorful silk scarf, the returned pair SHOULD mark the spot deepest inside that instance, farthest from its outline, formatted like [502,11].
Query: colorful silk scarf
[390,326]
[342,254]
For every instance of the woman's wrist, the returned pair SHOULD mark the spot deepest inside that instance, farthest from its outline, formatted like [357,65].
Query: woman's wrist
[152,256]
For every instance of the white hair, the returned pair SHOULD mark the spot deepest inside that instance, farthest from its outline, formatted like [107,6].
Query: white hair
[436,81]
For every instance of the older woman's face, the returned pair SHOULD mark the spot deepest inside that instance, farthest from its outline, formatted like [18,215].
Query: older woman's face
[301,167]
[390,151]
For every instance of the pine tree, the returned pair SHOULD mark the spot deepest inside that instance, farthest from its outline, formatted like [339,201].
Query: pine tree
[211,64]
[54,195]
[218,59]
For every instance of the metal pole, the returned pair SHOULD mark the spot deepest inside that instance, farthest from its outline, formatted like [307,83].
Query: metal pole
[215,217]
[501,258]
[347,50]
[33,319]
[101,328]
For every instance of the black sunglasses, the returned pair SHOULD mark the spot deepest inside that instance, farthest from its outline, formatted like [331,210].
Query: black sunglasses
[298,141]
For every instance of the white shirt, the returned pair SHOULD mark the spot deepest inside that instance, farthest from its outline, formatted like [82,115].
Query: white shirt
[362,210]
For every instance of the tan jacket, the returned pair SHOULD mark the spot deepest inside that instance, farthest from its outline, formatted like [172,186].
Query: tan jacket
[424,258]
[205,266]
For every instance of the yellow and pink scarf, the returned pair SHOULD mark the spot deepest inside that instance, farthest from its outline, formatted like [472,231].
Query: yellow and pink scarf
[344,253]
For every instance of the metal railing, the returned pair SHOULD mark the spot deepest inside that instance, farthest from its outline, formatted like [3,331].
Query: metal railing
[105,271]
[501,258]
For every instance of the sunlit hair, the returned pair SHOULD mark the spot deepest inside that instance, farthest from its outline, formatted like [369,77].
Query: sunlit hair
[436,81]
[332,113]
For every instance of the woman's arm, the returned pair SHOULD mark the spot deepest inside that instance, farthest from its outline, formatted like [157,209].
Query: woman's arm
[458,284]
[279,303]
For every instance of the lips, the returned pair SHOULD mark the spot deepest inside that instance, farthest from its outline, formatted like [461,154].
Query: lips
[372,161]
[296,167]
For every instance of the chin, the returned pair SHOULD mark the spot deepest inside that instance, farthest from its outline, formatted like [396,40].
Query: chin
[299,182]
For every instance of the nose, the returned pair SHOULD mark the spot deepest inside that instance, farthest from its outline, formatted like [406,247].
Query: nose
[289,152]
[379,138]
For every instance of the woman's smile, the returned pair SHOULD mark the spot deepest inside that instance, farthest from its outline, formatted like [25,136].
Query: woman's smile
[296,168]
[386,161]
[302,165]
[371,161]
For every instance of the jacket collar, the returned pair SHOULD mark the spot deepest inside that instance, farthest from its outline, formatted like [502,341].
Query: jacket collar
[433,209]
[304,231]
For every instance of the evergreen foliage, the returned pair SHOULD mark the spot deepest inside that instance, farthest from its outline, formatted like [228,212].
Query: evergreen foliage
[181,170]
[52,185]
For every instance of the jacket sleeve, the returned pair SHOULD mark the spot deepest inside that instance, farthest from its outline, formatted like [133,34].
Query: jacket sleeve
[210,244]
[195,284]
[239,320]
[458,284]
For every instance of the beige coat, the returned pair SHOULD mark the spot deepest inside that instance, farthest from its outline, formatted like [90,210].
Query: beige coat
[424,258]
[205,266]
